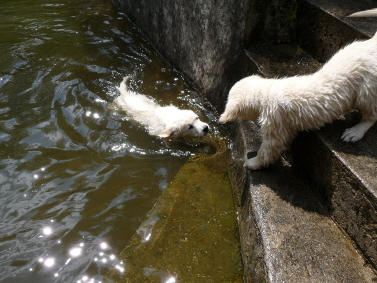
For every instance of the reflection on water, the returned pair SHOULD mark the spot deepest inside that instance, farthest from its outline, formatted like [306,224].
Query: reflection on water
[57,264]
[77,177]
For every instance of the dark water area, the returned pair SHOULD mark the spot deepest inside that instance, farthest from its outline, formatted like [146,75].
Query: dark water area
[77,177]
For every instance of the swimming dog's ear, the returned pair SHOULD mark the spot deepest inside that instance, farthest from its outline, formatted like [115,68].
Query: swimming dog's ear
[168,132]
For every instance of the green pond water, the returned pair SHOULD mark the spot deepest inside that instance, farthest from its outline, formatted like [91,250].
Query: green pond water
[79,180]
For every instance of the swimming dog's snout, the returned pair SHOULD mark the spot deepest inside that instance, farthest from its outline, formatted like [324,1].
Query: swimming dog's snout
[206,129]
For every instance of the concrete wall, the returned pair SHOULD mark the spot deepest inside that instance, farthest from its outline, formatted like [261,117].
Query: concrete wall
[201,38]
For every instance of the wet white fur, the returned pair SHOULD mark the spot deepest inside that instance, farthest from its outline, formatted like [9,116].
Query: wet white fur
[166,122]
[283,107]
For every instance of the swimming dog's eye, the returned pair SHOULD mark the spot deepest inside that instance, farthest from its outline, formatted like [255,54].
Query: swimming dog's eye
[197,118]
[190,127]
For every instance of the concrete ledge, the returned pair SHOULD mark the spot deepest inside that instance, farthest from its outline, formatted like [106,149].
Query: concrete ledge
[286,234]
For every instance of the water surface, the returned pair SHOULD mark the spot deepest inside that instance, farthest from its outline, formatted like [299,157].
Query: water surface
[78,177]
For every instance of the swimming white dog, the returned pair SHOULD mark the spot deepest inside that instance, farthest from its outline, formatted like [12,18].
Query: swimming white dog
[283,107]
[166,122]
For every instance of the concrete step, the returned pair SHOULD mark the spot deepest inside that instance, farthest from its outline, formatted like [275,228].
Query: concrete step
[343,176]
[347,180]
[286,234]
[340,175]
[323,26]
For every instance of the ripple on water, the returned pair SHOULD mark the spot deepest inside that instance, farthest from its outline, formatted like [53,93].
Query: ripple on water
[77,178]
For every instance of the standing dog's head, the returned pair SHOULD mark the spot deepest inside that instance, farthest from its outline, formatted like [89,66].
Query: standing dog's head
[244,100]
[185,125]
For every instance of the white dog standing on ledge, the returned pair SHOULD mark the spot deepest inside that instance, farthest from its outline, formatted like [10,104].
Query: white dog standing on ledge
[283,107]
[166,122]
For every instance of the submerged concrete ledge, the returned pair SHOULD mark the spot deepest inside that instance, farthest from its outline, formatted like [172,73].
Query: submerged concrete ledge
[191,234]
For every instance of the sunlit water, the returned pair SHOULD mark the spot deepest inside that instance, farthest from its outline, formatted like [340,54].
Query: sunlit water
[78,177]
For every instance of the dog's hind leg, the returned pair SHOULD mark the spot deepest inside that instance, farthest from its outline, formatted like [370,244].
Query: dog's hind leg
[358,131]
[268,153]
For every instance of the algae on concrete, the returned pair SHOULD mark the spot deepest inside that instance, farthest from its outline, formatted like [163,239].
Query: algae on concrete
[191,234]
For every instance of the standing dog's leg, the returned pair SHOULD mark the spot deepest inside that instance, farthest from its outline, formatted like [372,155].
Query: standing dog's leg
[357,132]
[268,153]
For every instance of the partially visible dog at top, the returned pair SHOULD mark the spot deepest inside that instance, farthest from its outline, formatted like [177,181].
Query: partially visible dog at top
[366,13]
[283,107]
[163,121]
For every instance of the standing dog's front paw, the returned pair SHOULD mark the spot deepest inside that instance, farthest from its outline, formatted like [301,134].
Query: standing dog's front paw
[253,163]
[352,135]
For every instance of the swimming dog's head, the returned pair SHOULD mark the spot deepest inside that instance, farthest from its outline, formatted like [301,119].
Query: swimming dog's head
[185,125]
